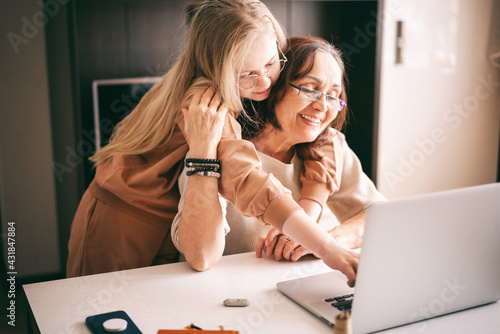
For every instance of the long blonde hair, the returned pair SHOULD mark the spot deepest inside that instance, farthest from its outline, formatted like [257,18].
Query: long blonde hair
[220,34]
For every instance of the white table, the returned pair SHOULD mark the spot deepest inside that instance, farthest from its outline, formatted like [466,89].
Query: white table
[174,296]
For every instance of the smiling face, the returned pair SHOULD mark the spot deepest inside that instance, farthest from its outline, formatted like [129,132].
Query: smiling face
[302,120]
[262,59]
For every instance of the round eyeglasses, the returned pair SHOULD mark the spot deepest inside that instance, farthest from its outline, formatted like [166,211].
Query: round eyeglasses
[314,95]
[272,70]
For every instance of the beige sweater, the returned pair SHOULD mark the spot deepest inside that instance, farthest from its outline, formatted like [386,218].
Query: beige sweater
[355,193]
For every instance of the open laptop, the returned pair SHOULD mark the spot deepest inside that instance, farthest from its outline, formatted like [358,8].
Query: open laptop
[421,257]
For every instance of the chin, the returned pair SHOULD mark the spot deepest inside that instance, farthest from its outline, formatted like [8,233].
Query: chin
[259,97]
[308,138]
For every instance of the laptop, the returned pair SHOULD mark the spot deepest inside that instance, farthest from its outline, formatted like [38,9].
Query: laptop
[421,257]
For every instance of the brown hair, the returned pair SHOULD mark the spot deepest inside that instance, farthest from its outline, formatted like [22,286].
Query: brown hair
[301,58]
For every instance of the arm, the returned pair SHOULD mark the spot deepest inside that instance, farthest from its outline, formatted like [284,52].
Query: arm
[200,231]
[350,233]
[309,234]
[312,208]
[319,178]
[201,225]
[309,238]
[283,246]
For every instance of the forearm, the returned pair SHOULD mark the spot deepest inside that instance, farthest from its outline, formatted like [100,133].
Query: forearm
[350,233]
[312,208]
[301,228]
[201,226]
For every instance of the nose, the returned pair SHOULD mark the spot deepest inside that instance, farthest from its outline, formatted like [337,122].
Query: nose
[263,81]
[320,104]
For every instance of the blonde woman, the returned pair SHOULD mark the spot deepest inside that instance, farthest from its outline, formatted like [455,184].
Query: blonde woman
[124,218]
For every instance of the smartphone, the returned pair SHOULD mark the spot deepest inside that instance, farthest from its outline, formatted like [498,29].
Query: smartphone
[112,322]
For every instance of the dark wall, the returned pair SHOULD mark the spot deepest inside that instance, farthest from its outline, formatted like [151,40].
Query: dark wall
[68,170]
[120,39]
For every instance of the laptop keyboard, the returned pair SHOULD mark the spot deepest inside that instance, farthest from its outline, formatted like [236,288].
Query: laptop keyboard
[342,303]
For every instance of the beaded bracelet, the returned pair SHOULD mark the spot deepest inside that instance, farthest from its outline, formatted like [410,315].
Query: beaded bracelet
[191,171]
[213,167]
[191,162]
[204,172]
[207,167]
[209,173]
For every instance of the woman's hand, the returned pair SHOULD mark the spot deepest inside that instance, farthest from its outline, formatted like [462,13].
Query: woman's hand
[342,259]
[300,227]
[335,256]
[350,233]
[204,121]
[281,245]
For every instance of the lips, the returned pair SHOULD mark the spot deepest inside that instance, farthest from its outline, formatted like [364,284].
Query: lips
[311,119]
[264,92]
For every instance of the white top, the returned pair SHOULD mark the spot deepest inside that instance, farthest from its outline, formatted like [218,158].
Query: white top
[356,193]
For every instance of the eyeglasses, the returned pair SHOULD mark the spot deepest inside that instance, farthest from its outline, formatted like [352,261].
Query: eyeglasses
[271,71]
[314,95]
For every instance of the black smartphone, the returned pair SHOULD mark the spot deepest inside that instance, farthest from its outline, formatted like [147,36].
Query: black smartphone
[112,322]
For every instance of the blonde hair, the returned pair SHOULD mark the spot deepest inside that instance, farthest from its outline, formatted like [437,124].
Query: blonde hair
[220,34]
[197,85]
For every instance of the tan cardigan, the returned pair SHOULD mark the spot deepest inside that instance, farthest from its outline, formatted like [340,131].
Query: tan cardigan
[354,193]
[124,218]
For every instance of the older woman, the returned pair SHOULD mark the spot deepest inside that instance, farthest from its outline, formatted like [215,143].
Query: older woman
[307,100]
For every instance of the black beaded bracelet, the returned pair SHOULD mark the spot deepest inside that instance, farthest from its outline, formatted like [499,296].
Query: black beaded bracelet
[213,167]
[190,161]
[192,171]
